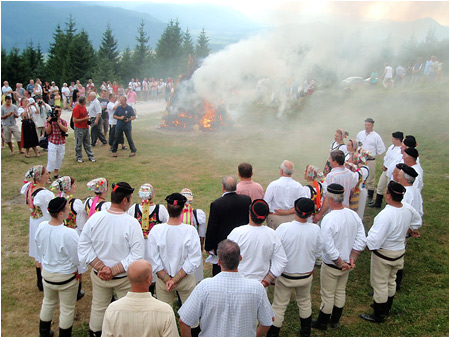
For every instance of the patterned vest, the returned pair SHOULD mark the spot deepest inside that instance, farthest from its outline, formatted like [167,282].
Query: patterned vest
[147,221]
[35,210]
[71,221]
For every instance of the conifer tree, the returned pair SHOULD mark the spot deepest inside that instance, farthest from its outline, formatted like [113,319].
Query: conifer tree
[169,50]
[141,54]
[202,49]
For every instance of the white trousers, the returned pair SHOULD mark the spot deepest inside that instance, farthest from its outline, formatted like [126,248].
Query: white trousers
[55,156]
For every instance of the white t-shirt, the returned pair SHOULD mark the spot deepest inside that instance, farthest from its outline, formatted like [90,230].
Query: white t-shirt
[388,74]
[110,108]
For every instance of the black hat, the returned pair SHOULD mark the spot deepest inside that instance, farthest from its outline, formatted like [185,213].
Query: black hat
[259,208]
[407,169]
[304,206]
[369,119]
[410,141]
[122,187]
[335,188]
[395,188]
[398,135]
[176,199]
[412,152]
[57,204]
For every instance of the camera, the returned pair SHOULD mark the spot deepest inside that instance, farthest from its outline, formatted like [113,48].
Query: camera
[89,122]
[53,114]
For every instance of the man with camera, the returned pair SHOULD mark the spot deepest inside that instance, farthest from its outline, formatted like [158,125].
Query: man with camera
[56,129]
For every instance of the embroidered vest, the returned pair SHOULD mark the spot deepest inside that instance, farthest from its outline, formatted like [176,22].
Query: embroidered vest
[189,216]
[316,195]
[71,221]
[153,219]
[35,210]
[98,207]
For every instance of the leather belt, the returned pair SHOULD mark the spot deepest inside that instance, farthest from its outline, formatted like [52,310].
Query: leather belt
[333,266]
[387,258]
[64,282]
[295,277]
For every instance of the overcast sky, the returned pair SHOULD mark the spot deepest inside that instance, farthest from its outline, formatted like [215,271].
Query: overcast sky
[285,11]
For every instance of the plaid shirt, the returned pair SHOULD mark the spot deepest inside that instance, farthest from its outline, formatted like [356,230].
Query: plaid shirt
[55,136]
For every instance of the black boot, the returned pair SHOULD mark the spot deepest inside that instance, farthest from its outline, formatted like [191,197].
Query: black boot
[95,333]
[378,315]
[45,329]
[305,326]
[322,321]
[377,203]
[335,316]
[389,305]
[398,279]
[65,332]
[80,293]
[274,331]
[370,196]
[195,331]
[179,299]
[39,279]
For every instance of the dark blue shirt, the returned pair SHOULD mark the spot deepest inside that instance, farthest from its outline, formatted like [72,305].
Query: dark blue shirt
[128,112]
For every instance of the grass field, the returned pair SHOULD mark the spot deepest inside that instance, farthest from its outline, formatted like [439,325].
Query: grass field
[173,160]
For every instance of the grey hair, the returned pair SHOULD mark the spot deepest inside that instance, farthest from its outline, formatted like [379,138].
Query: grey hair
[408,178]
[229,254]
[229,183]
[337,198]
[285,167]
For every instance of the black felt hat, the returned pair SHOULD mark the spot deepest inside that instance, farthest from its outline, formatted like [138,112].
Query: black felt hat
[176,199]
[57,204]
[407,169]
[259,208]
[304,206]
[335,188]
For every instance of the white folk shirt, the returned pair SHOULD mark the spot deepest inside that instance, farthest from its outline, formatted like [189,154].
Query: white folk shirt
[282,193]
[418,182]
[56,247]
[94,108]
[112,238]
[342,231]
[261,251]
[371,142]
[302,243]
[392,154]
[390,169]
[390,227]
[174,247]
[344,177]
[413,198]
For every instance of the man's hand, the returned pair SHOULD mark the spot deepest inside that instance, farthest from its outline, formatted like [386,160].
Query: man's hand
[170,285]
[279,212]
[105,273]
[317,218]
[346,267]
[352,263]
[415,234]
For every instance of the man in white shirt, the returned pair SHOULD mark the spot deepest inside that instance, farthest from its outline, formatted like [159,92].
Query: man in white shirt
[343,239]
[95,115]
[410,156]
[111,108]
[65,91]
[302,243]
[371,142]
[110,241]
[263,257]
[138,314]
[56,247]
[228,305]
[392,154]
[387,76]
[281,195]
[386,240]
[175,253]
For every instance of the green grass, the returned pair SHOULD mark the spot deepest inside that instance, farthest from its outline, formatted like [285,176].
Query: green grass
[173,160]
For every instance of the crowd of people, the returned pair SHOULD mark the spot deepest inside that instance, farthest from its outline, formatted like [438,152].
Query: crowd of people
[254,239]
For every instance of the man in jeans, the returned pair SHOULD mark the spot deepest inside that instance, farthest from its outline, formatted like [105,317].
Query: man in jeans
[124,115]
[80,120]
[95,114]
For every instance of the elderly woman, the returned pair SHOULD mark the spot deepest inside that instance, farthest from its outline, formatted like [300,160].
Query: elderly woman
[29,137]
[337,144]
[37,198]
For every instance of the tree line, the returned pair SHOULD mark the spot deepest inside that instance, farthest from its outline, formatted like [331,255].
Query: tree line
[71,56]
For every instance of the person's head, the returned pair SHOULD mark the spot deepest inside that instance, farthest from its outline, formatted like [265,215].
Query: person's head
[53,83]
[58,208]
[146,192]
[90,81]
[312,173]
[18,85]
[112,98]
[140,275]
[123,100]
[8,101]
[397,138]
[121,194]
[5,83]
[404,174]
[245,170]
[335,194]
[229,184]
[98,185]
[286,168]
[352,145]
[63,184]
[340,135]
[58,110]
[175,204]
[82,100]
[92,96]
[259,209]
[114,83]
[188,194]
[410,156]
[394,192]
[37,174]
[408,142]
[304,207]
[32,82]
[368,124]
[229,255]
[337,158]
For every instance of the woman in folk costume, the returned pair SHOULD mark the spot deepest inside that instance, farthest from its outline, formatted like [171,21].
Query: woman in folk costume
[358,195]
[338,144]
[148,215]
[37,197]
[314,188]
[29,137]
[97,203]
[197,218]
[65,187]
[352,148]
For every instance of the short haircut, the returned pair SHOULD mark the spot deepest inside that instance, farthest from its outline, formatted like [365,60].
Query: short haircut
[111,95]
[395,197]
[229,254]
[229,183]
[82,99]
[286,167]
[118,196]
[408,178]
[337,198]
[175,210]
[338,156]
[245,170]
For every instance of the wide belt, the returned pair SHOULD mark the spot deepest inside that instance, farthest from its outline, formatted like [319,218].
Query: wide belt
[333,266]
[296,277]
[113,277]
[387,258]
[62,283]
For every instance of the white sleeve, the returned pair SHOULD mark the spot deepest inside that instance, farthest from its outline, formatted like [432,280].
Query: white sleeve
[154,256]
[42,198]
[268,196]
[201,217]
[24,188]
[136,244]
[163,214]
[378,232]
[360,240]
[131,210]
[327,232]
[78,206]
[416,221]
[381,148]
[319,245]
[279,259]
[71,247]
[86,252]
[194,257]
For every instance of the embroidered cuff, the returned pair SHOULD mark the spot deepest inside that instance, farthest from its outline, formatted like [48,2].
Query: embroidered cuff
[338,262]
[179,276]
[354,254]
[268,279]
[97,264]
[117,269]
[163,275]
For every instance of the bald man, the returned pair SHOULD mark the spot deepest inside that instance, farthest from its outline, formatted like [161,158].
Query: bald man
[138,314]
[95,115]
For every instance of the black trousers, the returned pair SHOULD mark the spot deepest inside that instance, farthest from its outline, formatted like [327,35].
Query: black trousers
[216,269]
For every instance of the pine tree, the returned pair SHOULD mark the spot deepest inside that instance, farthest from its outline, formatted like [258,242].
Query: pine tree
[108,58]
[141,55]
[125,66]
[14,68]
[169,51]
[201,49]
[56,55]
[81,58]
[188,45]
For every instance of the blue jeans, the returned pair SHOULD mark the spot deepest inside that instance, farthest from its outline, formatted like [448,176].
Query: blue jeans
[119,135]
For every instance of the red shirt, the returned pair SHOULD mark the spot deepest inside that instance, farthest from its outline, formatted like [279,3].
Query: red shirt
[115,90]
[80,112]
[55,136]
